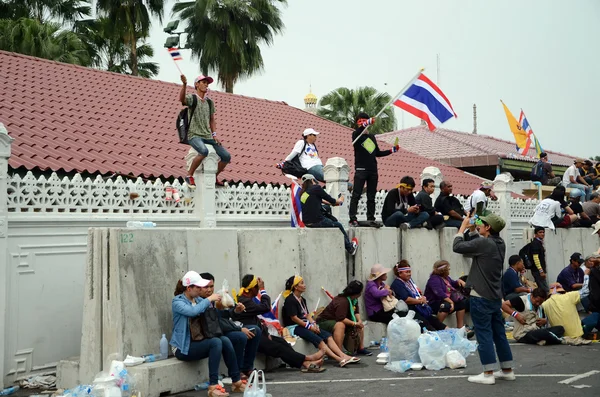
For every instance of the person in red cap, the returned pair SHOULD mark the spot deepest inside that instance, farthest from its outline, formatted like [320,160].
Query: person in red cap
[202,129]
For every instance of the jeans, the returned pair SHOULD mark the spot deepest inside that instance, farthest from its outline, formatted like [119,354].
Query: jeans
[590,322]
[451,222]
[327,223]
[489,329]
[414,220]
[539,280]
[245,349]
[551,335]
[360,177]
[199,145]
[213,348]
[586,189]
[317,172]
[311,337]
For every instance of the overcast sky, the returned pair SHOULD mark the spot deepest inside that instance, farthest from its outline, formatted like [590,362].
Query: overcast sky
[539,55]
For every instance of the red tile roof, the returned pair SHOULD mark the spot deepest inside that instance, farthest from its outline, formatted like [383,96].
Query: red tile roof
[86,120]
[461,149]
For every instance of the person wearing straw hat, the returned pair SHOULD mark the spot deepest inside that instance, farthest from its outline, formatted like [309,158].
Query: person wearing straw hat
[488,251]
[375,290]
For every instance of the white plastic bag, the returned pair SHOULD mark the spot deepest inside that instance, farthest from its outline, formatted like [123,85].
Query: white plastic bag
[455,360]
[456,339]
[399,366]
[253,388]
[432,351]
[403,334]
[226,299]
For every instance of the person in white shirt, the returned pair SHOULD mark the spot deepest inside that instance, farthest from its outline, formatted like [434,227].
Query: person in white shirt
[548,212]
[478,200]
[309,156]
[572,179]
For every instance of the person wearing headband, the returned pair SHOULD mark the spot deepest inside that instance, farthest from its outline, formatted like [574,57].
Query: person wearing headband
[479,199]
[187,304]
[300,323]
[443,294]
[400,208]
[271,345]
[366,151]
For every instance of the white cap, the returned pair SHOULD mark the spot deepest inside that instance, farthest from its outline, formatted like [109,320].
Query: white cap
[310,177]
[310,131]
[193,278]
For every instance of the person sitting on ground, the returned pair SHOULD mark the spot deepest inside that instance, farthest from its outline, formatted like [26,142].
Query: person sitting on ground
[271,345]
[511,279]
[308,154]
[589,173]
[592,208]
[245,340]
[561,309]
[531,326]
[423,200]
[479,199]
[584,292]
[187,304]
[549,212]
[593,306]
[571,277]
[583,220]
[405,288]
[301,324]
[548,178]
[449,206]
[341,317]
[202,130]
[443,294]
[400,208]
[312,197]
[572,179]
[375,291]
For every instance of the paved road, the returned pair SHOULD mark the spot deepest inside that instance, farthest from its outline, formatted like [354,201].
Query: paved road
[539,371]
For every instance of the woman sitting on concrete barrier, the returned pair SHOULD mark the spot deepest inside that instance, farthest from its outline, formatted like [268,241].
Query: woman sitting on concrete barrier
[405,288]
[187,304]
[443,296]
[342,319]
[300,322]
[375,291]
[271,345]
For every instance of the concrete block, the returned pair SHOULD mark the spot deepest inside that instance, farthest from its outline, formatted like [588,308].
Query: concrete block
[555,253]
[421,248]
[590,243]
[460,265]
[374,331]
[67,373]
[214,251]
[169,376]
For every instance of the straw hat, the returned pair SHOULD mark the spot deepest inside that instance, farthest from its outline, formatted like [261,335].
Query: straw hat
[377,271]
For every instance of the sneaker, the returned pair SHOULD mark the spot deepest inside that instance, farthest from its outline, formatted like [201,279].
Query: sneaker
[364,352]
[470,334]
[190,182]
[483,379]
[374,224]
[219,183]
[505,375]
[353,223]
[354,246]
[405,226]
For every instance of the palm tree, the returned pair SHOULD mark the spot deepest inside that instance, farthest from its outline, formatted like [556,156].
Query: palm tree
[225,35]
[45,10]
[43,40]
[343,105]
[131,18]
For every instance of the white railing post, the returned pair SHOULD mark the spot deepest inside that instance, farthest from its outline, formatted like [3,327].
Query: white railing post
[435,174]
[205,194]
[5,143]
[503,188]
[336,172]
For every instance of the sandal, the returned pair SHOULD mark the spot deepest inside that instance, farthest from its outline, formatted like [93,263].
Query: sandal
[353,360]
[217,391]
[238,387]
[312,368]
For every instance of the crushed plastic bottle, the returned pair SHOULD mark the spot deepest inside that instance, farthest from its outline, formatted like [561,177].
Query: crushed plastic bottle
[150,358]
[201,386]
[9,390]
[140,225]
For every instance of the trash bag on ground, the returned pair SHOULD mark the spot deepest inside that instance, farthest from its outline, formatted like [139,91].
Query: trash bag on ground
[455,360]
[432,351]
[226,299]
[402,338]
[398,366]
[456,339]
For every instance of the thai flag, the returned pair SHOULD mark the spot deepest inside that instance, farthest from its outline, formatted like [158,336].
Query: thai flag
[530,136]
[296,214]
[175,54]
[274,313]
[426,101]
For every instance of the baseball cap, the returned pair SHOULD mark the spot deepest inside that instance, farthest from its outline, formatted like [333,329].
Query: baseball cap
[307,177]
[203,77]
[487,185]
[495,222]
[514,259]
[193,278]
[577,257]
[310,131]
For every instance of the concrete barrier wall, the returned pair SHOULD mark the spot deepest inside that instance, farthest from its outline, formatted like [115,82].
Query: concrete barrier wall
[421,248]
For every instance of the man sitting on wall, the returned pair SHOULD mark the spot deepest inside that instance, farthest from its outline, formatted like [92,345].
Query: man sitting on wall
[423,199]
[479,199]
[589,173]
[583,220]
[400,208]
[573,179]
[592,207]
[548,178]
[449,206]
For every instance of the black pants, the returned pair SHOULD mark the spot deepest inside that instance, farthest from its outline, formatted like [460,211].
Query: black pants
[431,323]
[383,316]
[279,348]
[550,335]
[434,220]
[539,280]
[360,177]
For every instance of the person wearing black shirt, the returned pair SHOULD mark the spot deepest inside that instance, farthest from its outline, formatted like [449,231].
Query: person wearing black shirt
[449,206]
[400,208]
[423,200]
[366,152]
[312,197]
[538,254]
[575,205]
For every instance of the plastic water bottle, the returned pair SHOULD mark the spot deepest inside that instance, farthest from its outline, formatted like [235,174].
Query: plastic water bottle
[164,347]
[383,345]
[201,386]
[150,358]
[139,225]
[9,390]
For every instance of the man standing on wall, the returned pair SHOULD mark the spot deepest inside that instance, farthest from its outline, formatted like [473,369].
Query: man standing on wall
[366,152]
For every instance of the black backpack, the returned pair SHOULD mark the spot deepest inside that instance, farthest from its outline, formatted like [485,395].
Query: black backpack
[184,119]
[293,167]
[525,254]
[537,172]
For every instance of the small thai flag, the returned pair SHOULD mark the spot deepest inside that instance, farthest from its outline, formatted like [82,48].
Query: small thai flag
[296,215]
[175,54]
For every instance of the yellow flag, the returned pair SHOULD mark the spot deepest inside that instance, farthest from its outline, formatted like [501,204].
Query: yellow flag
[515,127]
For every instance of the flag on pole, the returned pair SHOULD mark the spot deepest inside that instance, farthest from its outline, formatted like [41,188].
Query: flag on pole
[175,54]
[425,100]
[531,138]
[517,130]
[296,213]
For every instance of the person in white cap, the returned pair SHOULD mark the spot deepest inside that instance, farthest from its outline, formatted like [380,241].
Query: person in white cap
[305,151]
[186,305]
[202,129]
[479,199]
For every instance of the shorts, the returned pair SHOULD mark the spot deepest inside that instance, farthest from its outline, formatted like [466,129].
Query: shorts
[327,325]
